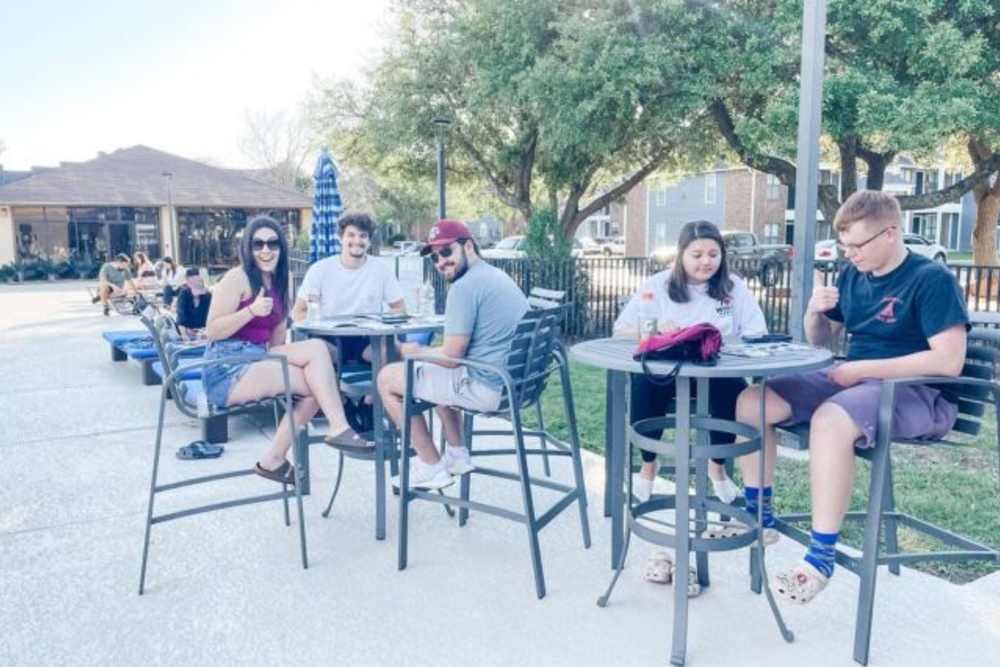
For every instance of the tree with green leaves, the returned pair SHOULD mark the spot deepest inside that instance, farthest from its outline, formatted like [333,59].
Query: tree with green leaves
[563,103]
[899,77]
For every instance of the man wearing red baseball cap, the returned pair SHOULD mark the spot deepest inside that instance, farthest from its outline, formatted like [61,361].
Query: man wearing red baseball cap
[481,314]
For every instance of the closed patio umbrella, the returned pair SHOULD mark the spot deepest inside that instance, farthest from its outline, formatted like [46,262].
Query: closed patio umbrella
[327,207]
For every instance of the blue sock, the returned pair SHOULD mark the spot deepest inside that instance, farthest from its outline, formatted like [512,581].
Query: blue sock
[821,552]
[752,494]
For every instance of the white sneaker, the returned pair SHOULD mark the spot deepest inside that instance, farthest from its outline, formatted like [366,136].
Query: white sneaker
[725,489]
[427,476]
[458,460]
[642,488]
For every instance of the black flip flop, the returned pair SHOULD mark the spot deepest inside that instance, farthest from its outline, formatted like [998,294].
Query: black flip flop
[283,474]
[349,441]
[199,449]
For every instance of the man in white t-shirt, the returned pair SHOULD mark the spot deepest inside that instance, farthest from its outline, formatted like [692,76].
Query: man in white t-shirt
[351,283]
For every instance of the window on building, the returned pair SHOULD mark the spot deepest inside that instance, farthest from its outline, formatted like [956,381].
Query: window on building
[661,197]
[773,187]
[932,180]
[711,187]
[772,233]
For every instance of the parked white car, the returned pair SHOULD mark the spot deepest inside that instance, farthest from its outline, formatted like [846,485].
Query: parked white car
[929,249]
[826,251]
[512,247]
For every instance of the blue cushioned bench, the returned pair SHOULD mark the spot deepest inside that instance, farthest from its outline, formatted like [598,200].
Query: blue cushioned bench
[117,340]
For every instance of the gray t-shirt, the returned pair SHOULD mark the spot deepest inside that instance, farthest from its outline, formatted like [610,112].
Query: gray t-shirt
[486,305]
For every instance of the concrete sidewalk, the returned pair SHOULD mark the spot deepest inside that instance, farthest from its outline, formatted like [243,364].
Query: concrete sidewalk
[76,439]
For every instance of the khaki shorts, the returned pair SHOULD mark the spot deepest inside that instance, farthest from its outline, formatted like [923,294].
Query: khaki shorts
[453,386]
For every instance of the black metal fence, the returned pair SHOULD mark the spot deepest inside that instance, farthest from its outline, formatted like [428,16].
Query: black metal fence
[597,288]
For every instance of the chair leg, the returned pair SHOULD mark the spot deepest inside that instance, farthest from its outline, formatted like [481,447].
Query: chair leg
[889,523]
[603,600]
[869,557]
[152,491]
[284,487]
[574,442]
[336,484]
[543,441]
[299,454]
[404,469]
[468,423]
[529,506]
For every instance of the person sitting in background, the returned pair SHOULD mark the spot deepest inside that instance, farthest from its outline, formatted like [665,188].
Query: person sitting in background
[145,272]
[247,318]
[699,288]
[113,278]
[350,283]
[171,278]
[193,301]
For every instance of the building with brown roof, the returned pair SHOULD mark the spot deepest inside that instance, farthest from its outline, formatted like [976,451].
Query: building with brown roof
[139,198]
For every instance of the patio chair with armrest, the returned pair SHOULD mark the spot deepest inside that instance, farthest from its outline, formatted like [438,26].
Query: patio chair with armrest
[534,353]
[189,398]
[976,389]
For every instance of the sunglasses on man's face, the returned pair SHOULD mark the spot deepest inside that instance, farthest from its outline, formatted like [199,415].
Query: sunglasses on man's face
[272,244]
[445,253]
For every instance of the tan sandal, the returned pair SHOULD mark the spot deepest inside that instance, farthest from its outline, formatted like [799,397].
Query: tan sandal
[800,584]
[659,568]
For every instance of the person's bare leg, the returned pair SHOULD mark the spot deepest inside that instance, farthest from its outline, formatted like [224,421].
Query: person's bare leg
[832,434]
[303,411]
[451,422]
[391,386]
[313,357]
[264,379]
[748,412]
[649,469]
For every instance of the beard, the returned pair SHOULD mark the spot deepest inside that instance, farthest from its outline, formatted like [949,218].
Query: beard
[461,266]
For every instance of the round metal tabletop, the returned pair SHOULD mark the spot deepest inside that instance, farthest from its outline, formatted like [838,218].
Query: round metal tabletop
[758,360]
[368,325]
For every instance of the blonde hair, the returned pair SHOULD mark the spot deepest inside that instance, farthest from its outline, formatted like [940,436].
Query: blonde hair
[871,206]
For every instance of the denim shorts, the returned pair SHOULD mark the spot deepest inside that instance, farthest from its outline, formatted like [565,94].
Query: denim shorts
[919,411]
[219,379]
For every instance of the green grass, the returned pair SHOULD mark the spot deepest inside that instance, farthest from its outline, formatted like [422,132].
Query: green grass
[956,488]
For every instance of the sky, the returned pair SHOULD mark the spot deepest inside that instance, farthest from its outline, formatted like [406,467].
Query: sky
[82,76]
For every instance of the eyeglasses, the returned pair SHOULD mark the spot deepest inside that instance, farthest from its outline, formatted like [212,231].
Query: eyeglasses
[272,244]
[854,247]
[446,252]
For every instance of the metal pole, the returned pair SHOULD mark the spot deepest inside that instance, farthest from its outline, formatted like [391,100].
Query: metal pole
[807,162]
[440,176]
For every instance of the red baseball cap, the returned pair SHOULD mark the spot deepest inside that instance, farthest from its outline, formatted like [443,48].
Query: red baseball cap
[445,232]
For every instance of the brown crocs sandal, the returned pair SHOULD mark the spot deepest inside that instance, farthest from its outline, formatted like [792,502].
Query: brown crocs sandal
[283,474]
[349,441]
[800,584]
[659,568]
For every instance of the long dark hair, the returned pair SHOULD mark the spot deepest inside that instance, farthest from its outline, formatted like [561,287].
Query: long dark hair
[719,285]
[280,279]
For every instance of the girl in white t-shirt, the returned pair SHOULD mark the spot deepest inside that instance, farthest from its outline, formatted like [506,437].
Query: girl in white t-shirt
[697,289]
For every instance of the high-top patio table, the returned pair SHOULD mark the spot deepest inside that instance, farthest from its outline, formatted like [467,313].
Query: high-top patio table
[377,332]
[615,356]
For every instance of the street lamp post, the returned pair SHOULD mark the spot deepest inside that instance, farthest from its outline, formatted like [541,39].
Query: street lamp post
[441,125]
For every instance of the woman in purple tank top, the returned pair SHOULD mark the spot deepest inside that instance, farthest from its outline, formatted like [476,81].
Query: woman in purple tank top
[247,318]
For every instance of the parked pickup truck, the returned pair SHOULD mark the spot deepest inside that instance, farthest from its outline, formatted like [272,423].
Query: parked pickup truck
[744,246]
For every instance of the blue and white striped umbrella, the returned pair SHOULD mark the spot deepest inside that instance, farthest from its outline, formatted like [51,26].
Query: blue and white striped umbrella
[327,207]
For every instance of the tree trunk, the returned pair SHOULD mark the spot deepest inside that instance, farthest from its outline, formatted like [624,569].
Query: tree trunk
[987,196]
[984,236]
[848,165]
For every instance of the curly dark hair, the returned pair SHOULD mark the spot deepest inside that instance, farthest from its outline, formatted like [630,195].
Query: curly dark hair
[362,221]
[280,279]
[720,285]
